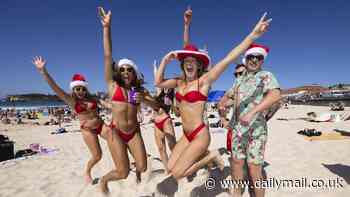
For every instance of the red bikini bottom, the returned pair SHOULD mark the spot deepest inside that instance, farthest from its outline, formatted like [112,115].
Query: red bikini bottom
[191,135]
[160,124]
[125,136]
[97,130]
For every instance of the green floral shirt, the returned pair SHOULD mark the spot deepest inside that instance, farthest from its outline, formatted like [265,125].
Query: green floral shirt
[251,89]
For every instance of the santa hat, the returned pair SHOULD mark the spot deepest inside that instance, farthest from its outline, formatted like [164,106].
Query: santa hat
[256,49]
[192,51]
[78,80]
[129,62]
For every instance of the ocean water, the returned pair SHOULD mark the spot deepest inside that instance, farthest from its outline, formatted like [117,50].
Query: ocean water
[30,104]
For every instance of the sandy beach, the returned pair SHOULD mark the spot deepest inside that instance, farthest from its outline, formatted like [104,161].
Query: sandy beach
[288,157]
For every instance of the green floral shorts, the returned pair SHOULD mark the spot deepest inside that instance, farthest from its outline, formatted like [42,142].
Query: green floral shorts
[249,145]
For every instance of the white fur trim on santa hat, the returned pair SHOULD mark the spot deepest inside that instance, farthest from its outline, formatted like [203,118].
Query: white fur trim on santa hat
[132,64]
[255,51]
[78,83]
[202,54]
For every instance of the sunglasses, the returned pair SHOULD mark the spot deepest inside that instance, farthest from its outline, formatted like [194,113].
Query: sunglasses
[258,57]
[237,74]
[80,89]
[122,69]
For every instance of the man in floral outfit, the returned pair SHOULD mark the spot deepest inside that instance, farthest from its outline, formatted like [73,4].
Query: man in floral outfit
[254,92]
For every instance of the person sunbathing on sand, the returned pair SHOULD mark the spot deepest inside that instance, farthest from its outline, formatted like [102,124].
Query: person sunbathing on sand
[85,107]
[327,117]
[191,95]
[125,89]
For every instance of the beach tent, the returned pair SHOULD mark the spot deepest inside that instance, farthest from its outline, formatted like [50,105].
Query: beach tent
[215,95]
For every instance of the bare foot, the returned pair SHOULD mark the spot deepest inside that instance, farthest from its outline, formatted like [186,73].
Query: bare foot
[104,187]
[88,178]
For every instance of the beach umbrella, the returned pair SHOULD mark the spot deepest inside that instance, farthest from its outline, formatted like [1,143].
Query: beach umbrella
[215,95]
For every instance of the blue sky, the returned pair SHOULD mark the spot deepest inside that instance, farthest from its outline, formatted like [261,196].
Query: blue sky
[309,40]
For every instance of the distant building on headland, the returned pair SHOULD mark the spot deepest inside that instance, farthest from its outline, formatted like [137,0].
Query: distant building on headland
[340,86]
[310,89]
[316,89]
[316,94]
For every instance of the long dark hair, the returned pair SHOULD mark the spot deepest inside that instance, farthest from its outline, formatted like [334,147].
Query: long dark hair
[161,96]
[118,78]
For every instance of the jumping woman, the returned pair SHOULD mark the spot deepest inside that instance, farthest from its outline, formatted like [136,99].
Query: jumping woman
[192,94]
[124,88]
[85,106]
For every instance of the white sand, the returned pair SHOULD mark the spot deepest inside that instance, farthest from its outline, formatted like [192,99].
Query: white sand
[288,156]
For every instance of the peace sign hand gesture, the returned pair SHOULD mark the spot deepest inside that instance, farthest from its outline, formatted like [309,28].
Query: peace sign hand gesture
[261,27]
[105,18]
[188,16]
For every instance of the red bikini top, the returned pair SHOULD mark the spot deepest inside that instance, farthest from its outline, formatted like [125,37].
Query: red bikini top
[191,97]
[81,106]
[118,95]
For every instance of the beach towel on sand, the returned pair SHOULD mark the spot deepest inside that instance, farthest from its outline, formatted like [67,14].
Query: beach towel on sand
[328,136]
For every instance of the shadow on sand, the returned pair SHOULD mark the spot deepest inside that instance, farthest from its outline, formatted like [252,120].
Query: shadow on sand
[217,175]
[169,186]
[340,170]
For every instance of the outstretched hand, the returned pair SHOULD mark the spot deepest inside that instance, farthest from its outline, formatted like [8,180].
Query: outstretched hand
[105,18]
[170,57]
[188,16]
[261,27]
[39,62]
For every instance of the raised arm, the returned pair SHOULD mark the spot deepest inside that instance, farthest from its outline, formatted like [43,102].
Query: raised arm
[107,45]
[259,29]
[159,80]
[40,63]
[187,23]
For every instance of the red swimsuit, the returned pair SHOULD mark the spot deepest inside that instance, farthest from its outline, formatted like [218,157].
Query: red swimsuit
[160,124]
[192,97]
[119,96]
[81,107]
[125,136]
